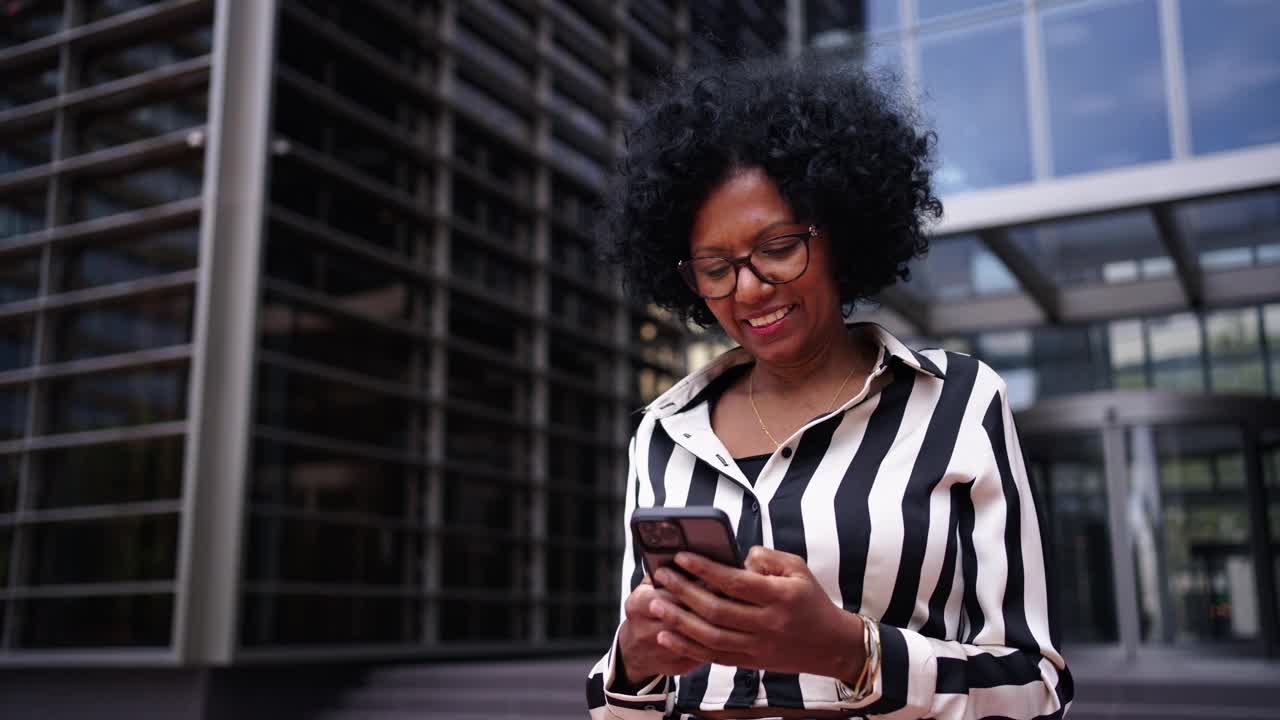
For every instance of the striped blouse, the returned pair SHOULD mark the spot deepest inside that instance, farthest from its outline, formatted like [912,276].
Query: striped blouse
[910,503]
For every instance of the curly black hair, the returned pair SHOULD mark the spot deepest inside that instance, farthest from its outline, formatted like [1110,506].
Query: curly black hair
[841,145]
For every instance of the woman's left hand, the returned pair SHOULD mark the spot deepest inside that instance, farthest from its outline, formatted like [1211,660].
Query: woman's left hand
[774,615]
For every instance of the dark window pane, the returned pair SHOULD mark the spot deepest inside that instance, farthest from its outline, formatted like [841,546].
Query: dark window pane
[25,151]
[29,20]
[138,123]
[476,503]
[1233,76]
[484,443]
[100,9]
[132,471]
[19,277]
[474,561]
[113,550]
[108,400]
[335,340]
[977,91]
[492,327]
[960,267]
[1235,231]
[472,621]
[323,620]
[10,465]
[132,259]
[578,568]
[310,404]
[1104,249]
[580,621]
[121,621]
[126,326]
[1175,352]
[300,477]
[494,387]
[26,84]
[356,283]
[13,411]
[15,342]
[293,549]
[115,63]
[93,198]
[22,213]
[6,547]
[1105,86]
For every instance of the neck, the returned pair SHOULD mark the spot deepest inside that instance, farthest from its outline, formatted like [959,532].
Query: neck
[828,362]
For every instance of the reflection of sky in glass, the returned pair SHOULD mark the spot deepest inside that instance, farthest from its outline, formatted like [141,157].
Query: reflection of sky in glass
[880,14]
[1235,231]
[1105,86]
[1233,72]
[929,9]
[1113,248]
[959,267]
[975,91]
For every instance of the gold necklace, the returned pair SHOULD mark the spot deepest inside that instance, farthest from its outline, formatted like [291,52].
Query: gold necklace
[751,396]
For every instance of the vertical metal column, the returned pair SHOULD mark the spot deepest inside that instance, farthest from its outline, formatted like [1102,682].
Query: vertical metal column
[539,342]
[217,460]
[433,556]
[1122,570]
[1260,540]
[1175,80]
[795,28]
[1037,94]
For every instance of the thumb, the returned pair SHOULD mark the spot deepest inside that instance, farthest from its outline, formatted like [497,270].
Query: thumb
[767,561]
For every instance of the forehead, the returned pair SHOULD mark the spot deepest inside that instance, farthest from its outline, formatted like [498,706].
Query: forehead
[738,213]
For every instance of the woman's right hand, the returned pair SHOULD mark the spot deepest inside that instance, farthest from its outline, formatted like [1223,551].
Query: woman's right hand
[643,657]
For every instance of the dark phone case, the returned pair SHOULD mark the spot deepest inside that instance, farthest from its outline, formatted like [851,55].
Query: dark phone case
[706,531]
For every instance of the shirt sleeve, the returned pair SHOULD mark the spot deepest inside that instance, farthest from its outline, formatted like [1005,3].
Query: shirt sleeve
[655,699]
[1003,662]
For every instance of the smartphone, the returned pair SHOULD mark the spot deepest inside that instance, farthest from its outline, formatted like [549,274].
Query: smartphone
[661,532]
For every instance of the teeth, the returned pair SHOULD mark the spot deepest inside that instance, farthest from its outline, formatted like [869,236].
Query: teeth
[772,317]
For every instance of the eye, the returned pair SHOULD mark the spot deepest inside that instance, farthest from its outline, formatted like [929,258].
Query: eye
[779,247]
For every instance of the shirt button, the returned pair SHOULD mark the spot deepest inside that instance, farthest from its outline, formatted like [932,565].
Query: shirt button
[786,452]
[755,506]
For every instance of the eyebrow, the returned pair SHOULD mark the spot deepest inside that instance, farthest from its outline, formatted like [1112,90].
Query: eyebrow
[761,235]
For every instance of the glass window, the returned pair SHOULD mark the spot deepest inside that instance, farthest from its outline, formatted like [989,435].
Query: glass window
[1106,249]
[928,9]
[1269,446]
[133,258]
[28,21]
[975,90]
[312,404]
[481,561]
[19,277]
[1175,352]
[117,127]
[120,549]
[10,466]
[27,84]
[322,480]
[15,342]
[1105,85]
[97,621]
[1232,71]
[335,340]
[13,412]
[114,63]
[1271,328]
[960,267]
[22,213]
[118,399]
[294,619]
[466,620]
[97,197]
[26,150]
[308,549]
[1190,527]
[1235,231]
[124,326]
[1235,351]
[122,472]
[1128,355]
[825,21]
[1069,474]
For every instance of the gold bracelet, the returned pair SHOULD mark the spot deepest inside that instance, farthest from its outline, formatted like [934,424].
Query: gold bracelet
[866,660]
[879,657]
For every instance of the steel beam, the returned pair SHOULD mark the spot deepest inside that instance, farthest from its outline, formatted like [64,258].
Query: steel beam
[1032,279]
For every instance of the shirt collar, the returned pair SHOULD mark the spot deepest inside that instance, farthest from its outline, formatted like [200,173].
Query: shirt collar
[675,399]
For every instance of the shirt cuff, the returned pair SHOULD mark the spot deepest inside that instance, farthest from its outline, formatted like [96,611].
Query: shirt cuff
[652,701]
[907,679]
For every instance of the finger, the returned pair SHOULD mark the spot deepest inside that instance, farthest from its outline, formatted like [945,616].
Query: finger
[683,646]
[699,630]
[768,561]
[751,587]
[720,611]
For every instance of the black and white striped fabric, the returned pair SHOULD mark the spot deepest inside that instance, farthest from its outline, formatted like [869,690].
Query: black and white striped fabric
[910,503]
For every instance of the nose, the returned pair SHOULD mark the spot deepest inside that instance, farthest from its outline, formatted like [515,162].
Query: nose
[751,289]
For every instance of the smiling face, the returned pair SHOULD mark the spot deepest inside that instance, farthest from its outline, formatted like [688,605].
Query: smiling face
[782,325]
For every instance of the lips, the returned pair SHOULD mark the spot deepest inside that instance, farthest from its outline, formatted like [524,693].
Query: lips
[760,322]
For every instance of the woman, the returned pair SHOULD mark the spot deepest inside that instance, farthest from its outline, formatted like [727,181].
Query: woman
[895,564]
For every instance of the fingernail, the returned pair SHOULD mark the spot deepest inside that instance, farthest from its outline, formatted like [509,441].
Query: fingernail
[664,576]
[683,559]
[657,608]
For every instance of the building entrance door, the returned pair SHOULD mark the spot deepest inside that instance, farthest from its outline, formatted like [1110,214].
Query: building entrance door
[1160,517]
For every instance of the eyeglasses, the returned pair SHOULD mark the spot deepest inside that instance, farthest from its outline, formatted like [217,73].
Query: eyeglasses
[776,261]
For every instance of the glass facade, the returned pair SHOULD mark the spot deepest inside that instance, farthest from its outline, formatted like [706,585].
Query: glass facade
[102,113]
[443,377]
[1021,91]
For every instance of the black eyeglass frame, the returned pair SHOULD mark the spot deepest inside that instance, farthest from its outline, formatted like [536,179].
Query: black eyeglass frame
[685,267]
